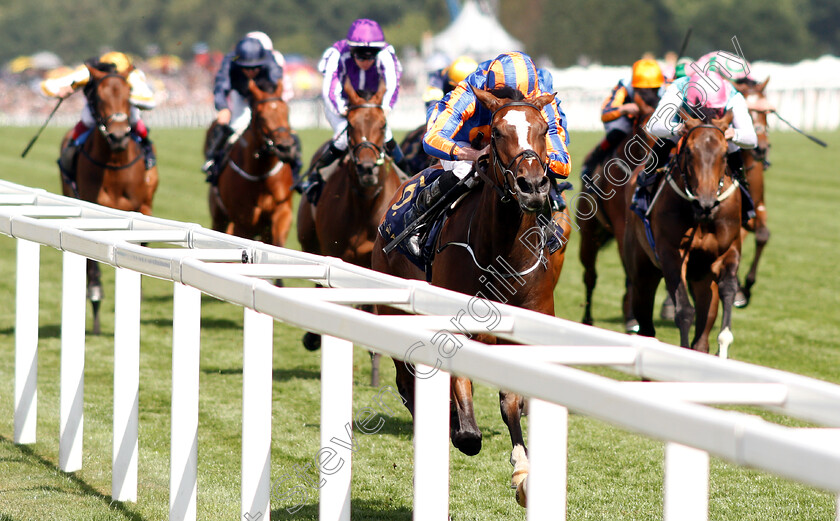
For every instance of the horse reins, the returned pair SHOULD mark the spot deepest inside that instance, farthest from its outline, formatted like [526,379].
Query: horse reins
[101,125]
[508,170]
[504,193]
[683,158]
[358,147]
[268,138]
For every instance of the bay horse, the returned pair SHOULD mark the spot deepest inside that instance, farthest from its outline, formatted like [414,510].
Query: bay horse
[755,164]
[110,170]
[608,187]
[253,196]
[344,222]
[696,228]
[489,223]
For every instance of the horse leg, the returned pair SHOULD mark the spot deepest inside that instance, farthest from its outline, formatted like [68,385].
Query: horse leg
[405,384]
[463,429]
[683,310]
[588,256]
[762,236]
[94,292]
[281,221]
[728,287]
[642,280]
[706,302]
[511,405]
[312,341]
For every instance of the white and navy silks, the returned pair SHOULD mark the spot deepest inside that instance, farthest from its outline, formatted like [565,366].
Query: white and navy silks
[230,90]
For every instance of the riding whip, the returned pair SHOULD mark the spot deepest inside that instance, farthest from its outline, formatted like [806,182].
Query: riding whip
[444,201]
[684,44]
[34,139]
[812,138]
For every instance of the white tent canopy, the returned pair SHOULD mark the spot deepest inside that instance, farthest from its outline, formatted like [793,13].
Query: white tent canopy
[473,33]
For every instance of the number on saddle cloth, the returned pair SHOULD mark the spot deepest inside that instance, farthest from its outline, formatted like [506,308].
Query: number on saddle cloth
[395,222]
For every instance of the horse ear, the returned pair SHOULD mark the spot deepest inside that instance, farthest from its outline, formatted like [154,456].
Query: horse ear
[129,70]
[724,122]
[253,89]
[487,99]
[545,99]
[352,96]
[380,93]
[95,73]
[278,91]
[763,85]
[690,123]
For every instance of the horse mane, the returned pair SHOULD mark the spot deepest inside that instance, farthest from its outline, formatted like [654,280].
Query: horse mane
[109,68]
[506,92]
[707,114]
[366,94]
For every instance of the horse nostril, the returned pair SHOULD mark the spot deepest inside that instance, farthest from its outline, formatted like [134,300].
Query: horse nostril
[544,184]
[524,185]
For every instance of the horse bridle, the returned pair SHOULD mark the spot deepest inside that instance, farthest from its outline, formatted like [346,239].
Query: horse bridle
[93,101]
[683,161]
[507,192]
[102,124]
[269,145]
[379,151]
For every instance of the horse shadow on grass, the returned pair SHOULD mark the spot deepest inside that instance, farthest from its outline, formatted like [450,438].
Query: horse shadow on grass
[278,375]
[83,487]
[361,509]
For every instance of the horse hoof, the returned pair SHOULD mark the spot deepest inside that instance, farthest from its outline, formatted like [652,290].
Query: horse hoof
[312,341]
[94,293]
[632,327]
[522,493]
[741,299]
[468,444]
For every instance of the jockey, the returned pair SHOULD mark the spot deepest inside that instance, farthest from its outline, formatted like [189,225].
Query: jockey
[443,81]
[141,98]
[684,97]
[252,59]
[620,109]
[365,58]
[459,119]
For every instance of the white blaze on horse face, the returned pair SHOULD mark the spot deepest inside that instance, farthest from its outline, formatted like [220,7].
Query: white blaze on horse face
[517,120]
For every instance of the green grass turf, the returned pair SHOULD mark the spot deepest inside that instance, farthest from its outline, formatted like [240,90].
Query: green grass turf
[792,324]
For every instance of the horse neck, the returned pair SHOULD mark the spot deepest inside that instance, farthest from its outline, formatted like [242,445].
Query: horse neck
[502,229]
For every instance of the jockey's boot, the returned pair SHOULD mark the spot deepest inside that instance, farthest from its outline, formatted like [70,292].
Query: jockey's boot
[148,152]
[555,194]
[425,200]
[649,177]
[214,152]
[735,161]
[67,160]
[319,172]
[397,155]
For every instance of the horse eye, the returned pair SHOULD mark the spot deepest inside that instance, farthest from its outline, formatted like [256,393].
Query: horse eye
[495,133]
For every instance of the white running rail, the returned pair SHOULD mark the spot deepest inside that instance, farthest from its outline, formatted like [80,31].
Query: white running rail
[671,408]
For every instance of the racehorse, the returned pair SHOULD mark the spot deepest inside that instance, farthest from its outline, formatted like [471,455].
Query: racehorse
[344,222]
[489,223]
[253,196]
[607,186]
[755,163]
[695,224]
[109,167]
